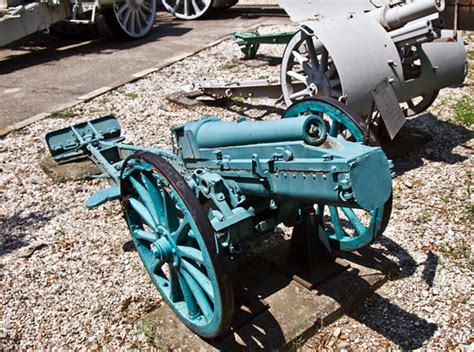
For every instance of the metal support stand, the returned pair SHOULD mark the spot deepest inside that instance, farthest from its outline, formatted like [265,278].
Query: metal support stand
[248,303]
[310,259]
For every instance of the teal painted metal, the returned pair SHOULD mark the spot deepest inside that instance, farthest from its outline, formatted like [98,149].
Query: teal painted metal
[310,129]
[252,176]
[249,42]
[345,124]
[171,233]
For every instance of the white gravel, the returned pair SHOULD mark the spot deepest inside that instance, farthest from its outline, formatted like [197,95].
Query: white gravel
[67,283]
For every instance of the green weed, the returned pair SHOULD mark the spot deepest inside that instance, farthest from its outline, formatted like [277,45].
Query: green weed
[131,95]
[63,114]
[461,250]
[423,218]
[148,328]
[229,66]
[464,110]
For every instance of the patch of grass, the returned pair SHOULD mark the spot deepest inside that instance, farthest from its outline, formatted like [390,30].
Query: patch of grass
[461,250]
[470,63]
[469,185]
[104,101]
[423,218]
[464,110]
[229,66]
[131,95]
[148,328]
[298,343]
[470,211]
[63,114]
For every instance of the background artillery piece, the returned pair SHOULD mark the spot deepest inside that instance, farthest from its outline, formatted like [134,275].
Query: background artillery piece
[130,19]
[385,64]
[194,9]
[190,211]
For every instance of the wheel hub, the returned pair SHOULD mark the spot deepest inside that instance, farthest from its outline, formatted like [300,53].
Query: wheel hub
[321,82]
[162,249]
[137,3]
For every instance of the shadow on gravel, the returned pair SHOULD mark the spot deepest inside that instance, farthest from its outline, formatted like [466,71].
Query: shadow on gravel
[429,269]
[376,258]
[426,137]
[13,230]
[405,329]
[245,109]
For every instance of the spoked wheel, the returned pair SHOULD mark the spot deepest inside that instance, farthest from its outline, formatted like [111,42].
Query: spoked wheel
[131,19]
[176,243]
[347,229]
[187,9]
[419,104]
[307,65]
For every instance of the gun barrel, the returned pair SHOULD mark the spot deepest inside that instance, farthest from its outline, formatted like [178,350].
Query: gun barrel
[217,134]
[336,172]
[396,17]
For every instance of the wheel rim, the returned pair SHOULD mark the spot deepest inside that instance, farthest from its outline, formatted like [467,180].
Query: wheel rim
[417,107]
[135,17]
[176,244]
[187,9]
[347,229]
[307,62]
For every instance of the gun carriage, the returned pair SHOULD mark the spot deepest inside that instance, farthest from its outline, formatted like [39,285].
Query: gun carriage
[227,183]
[130,19]
[385,63]
[194,9]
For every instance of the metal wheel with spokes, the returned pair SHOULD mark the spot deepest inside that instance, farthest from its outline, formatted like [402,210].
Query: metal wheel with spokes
[132,19]
[187,9]
[417,105]
[177,244]
[347,229]
[308,65]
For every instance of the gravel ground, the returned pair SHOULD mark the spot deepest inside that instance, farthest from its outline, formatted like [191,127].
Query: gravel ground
[68,282]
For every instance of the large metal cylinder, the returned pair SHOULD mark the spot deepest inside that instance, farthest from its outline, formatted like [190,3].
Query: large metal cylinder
[216,134]
[395,17]
[364,54]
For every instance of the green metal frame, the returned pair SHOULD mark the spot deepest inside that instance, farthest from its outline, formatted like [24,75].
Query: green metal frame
[249,42]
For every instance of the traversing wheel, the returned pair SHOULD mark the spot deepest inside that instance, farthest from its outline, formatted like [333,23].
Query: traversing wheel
[187,9]
[347,229]
[308,63]
[132,19]
[419,104]
[412,69]
[177,244]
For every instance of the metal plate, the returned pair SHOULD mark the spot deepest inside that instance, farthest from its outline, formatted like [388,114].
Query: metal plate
[363,54]
[387,104]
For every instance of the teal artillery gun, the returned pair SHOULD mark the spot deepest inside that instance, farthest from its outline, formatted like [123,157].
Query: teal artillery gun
[190,211]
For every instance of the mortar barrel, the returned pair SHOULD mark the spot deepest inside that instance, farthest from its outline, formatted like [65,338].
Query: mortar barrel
[217,134]
[398,16]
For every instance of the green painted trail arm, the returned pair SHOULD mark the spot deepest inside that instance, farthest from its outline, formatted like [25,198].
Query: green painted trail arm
[249,42]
